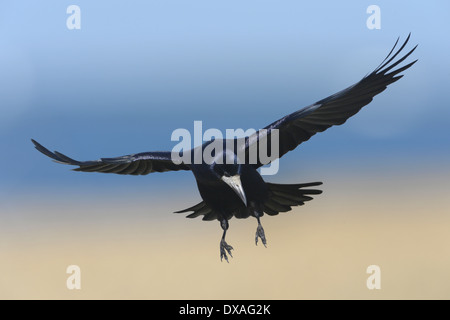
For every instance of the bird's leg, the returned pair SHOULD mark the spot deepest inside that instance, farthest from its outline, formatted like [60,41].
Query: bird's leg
[224,247]
[260,231]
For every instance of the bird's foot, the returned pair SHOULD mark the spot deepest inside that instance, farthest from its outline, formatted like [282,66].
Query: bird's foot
[224,248]
[260,234]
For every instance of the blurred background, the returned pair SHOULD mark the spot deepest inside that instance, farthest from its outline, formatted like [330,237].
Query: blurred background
[135,72]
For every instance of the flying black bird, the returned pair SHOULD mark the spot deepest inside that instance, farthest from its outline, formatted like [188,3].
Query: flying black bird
[231,186]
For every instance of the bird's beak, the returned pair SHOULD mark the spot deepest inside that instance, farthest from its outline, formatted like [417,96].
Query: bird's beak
[235,183]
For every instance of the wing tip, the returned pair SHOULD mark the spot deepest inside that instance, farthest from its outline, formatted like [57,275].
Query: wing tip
[385,66]
[56,156]
[37,145]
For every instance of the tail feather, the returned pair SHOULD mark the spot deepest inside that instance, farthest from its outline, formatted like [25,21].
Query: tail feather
[282,197]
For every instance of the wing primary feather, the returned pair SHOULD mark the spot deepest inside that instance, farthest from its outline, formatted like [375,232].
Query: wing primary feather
[399,61]
[390,52]
[398,51]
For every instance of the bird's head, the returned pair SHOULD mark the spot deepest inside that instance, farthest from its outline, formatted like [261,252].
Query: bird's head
[229,171]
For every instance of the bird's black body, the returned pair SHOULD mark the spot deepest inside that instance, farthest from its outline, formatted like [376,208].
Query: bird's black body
[217,194]
[231,186]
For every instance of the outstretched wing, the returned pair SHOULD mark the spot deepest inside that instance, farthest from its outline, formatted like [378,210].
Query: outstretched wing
[134,164]
[301,125]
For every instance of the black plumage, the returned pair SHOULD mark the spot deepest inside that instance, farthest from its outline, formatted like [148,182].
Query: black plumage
[235,188]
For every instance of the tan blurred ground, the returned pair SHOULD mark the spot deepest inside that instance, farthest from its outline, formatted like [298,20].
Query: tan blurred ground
[320,250]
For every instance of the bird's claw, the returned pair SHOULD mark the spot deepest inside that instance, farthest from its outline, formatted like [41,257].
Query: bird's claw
[260,234]
[224,248]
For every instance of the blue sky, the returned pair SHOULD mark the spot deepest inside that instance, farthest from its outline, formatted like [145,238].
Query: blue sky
[137,71]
